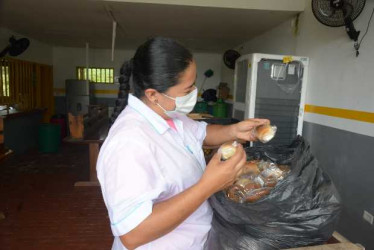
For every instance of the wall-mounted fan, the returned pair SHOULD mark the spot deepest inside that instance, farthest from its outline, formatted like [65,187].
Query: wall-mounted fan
[229,58]
[15,47]
[337,13]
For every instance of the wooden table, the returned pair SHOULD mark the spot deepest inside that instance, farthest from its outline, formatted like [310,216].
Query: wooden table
[94,142]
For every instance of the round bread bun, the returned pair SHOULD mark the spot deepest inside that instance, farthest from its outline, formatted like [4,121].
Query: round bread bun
[227,150]
[251,167]
[236,193]
[258,195]
[265,133]
[252,186]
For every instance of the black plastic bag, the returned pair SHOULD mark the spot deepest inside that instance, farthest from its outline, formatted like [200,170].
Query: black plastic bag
[301,210]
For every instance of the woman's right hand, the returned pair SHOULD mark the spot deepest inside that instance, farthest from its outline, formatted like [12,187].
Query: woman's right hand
[219,174]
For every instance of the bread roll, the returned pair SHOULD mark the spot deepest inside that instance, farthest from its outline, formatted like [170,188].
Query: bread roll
[227,150]
[251,186]
[270,181]
[243,181]
[265,133]
[251,167]
[258,195]
[236,193]
[285,168]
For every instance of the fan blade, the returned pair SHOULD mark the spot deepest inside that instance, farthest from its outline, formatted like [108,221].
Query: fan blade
[5,51]
[325,8]
[332,13]
[19,46]
[347,10]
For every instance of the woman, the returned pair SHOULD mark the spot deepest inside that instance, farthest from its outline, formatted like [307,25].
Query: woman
[151,167]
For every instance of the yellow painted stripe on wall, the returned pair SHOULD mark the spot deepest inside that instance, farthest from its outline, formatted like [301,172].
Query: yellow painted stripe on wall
[341,113]
[106,91]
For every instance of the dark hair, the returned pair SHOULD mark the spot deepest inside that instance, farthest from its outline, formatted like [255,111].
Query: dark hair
[157,64]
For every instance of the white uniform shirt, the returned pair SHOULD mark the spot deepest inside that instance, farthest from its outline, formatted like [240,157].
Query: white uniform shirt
[143,161]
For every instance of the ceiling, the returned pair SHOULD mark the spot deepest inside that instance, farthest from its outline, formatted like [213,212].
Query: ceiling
[72,23]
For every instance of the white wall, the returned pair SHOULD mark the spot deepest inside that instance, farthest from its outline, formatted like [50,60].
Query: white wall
[279,40]
[65,61]
[37,51]
[227,75]
[207,61]
[277,5]
[336,77]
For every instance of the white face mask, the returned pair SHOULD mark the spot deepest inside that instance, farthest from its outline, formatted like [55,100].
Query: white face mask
[183,104]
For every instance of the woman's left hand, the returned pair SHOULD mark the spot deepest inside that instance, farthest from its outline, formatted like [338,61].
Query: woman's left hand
[244,130]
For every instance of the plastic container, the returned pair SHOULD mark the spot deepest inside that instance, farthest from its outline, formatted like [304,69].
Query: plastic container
[61,120]
[210,109]
[220,109]
[201,107]
[49,137]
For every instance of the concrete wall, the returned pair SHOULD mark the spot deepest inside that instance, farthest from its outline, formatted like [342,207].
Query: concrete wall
[284,44]
[65,61]
[344,147]
[348,158]
[288,5]
[337,79]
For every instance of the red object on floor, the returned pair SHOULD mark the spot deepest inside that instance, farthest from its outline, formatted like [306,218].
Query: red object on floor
[62,122]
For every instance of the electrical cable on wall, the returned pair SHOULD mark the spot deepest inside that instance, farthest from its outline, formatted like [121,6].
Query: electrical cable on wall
[358,44]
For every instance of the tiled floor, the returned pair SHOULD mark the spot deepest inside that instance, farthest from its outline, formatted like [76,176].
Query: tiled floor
[42,208]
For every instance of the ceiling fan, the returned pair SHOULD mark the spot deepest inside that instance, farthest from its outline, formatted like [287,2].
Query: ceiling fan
[15,47]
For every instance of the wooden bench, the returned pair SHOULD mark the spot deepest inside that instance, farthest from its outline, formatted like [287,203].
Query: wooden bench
[90,129]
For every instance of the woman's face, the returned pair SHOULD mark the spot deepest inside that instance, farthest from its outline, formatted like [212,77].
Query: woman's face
[185,85]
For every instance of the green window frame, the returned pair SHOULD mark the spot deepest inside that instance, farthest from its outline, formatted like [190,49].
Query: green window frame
[96,74]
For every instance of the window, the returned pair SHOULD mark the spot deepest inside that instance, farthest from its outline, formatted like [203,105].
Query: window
[97,75]
[26,84]
[4,79]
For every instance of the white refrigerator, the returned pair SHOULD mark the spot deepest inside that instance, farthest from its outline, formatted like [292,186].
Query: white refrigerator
[272,87]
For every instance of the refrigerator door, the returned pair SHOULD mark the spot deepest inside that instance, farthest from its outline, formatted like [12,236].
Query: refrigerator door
[240,89]
[278,95]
